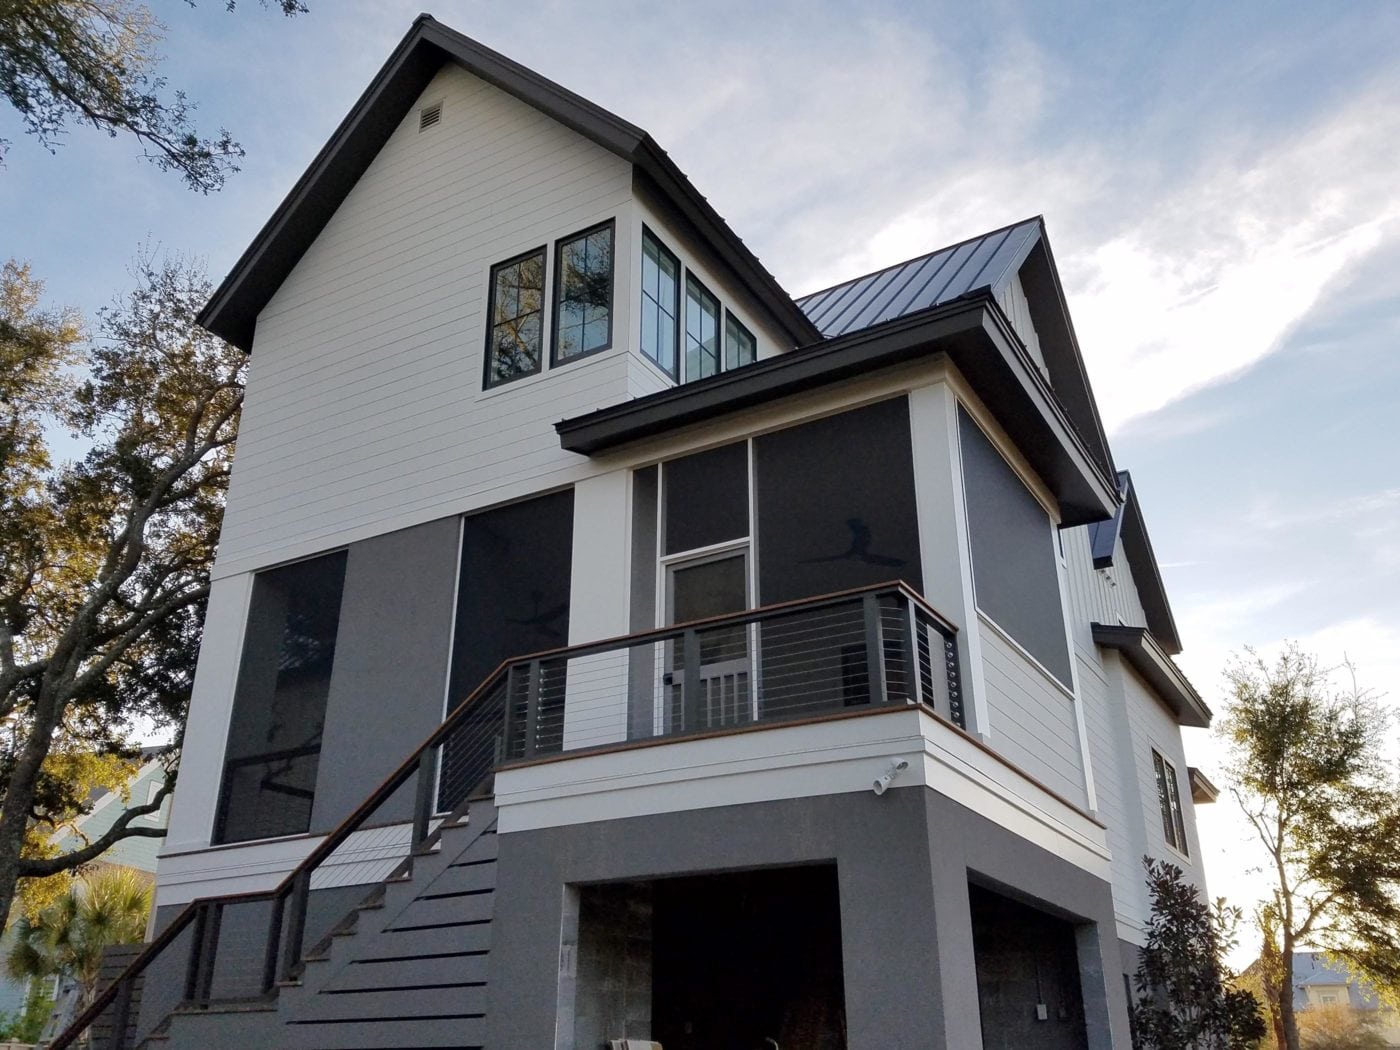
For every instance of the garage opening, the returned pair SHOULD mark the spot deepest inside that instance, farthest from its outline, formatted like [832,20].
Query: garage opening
[1028,987]
[739,961]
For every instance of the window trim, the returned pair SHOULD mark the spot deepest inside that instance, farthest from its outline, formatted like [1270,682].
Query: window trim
[487,382]
[674,370]
[691,275]
[558,286]
[1170,808]
[730,317]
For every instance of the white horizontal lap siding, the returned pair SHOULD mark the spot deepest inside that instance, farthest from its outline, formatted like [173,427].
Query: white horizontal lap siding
[1099,595]
[1154,726]
[1018,311]
[1033,722]
[365,411]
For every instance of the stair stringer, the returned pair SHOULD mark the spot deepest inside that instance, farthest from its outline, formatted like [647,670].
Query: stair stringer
[408,969]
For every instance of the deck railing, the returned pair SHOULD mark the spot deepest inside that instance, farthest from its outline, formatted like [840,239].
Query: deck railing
[798,660]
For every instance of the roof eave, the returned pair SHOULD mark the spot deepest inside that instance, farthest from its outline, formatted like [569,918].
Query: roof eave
[231,312]
[1152,662]
[965,330]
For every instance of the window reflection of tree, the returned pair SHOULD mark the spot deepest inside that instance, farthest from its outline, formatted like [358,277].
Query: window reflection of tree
[517,304]
[585,293]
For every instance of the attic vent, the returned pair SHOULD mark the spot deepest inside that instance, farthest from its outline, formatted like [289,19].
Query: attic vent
[430,116]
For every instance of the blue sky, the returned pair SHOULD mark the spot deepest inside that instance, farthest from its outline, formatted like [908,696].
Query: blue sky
[1221,185]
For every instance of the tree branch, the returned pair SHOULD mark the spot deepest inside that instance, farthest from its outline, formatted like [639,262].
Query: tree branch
[40,867]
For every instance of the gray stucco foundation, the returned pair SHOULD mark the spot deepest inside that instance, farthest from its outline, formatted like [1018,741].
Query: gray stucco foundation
[903,861]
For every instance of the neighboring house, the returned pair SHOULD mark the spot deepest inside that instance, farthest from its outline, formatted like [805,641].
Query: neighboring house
[515,388]
[138,853]
[1320,984]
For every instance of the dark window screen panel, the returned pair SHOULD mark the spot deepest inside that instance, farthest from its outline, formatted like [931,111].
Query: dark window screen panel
[836,504]
[279,705]
[512,600]
[707,498]
[1013,552]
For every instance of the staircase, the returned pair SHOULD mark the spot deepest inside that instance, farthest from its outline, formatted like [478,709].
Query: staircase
[407,968]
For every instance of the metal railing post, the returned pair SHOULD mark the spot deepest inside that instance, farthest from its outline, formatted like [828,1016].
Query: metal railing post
[272,953]
[690,688]
[121,1014]
[875,651]
[296,923]
[532,709]
[956,712]
[913,680]
[192,965]
[423,799]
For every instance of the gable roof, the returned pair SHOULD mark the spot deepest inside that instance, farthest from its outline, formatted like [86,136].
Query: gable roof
[985,261]
[982,265]
[1128,525]
[232,311]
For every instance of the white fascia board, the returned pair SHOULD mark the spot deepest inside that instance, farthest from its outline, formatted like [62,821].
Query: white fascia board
[778,763]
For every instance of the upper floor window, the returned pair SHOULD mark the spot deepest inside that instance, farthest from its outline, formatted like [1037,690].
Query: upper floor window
[701,330]
[1169,801]
[660,302]
[583,274]
[740,347]
[516,313]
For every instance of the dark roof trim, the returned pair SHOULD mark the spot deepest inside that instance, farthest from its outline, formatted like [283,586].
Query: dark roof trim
[1203,792]
[1129,525]
[232,311]
[1151,661]
[973,333]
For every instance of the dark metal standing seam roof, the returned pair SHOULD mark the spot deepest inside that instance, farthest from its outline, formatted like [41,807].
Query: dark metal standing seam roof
[930,280]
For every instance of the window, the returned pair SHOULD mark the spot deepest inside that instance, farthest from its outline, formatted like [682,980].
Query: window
[583,291]
[279,704]
[1169,801]
[740,347]
[515,310]
[660,302]
[701,331]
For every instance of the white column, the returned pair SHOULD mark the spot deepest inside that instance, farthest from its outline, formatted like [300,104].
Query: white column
[943,543]
[595,706]
[196,800]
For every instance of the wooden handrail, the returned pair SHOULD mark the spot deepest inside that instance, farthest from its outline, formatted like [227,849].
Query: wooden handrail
[410,765]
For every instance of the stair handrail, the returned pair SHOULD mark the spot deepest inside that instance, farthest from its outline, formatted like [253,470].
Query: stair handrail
[298,879]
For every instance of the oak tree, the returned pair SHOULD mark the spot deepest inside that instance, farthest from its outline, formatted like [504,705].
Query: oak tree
[93,62]
[1308,768]
[104,559]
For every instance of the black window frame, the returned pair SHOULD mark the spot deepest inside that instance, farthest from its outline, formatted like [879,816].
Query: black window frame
[558,285]
[691,277]
[487,381]
[731,318]
[1169,803]
[674,369]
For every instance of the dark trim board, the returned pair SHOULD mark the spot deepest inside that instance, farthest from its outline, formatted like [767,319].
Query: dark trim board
[232,311]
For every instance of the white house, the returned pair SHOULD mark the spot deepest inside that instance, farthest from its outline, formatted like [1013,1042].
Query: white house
[809,665]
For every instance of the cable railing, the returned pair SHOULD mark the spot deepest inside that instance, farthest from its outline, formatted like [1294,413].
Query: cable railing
[816,657]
